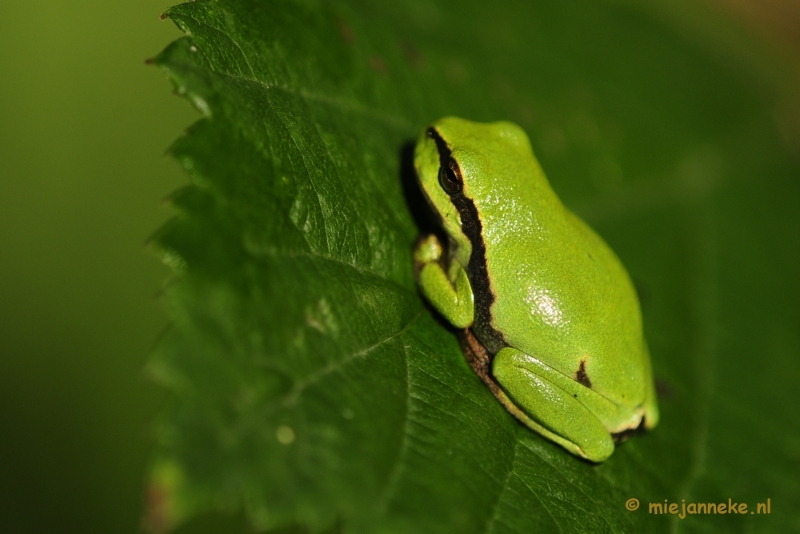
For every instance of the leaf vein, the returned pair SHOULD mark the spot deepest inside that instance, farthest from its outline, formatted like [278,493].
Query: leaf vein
[503,487]
[393,480]
[302,384]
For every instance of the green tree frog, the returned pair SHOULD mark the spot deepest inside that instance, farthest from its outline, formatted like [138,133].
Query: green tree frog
[547,314]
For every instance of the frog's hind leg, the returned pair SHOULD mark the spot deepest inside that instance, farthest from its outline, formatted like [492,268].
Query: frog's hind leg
[548,409]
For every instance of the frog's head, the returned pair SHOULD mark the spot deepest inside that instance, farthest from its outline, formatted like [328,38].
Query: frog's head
[464,167]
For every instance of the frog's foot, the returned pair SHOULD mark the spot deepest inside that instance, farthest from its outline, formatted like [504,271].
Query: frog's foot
[536,399]
[449,292]
[427,249]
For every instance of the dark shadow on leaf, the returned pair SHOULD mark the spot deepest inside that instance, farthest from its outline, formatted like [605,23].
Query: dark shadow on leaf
[643,292]
[664,390]
[415,199]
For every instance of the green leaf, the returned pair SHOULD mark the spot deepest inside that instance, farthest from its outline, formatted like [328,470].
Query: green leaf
[311,386]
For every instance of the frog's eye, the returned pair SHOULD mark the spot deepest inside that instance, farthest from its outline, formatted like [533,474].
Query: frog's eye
[450,178]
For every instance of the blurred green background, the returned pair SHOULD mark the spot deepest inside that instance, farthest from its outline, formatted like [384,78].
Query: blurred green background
[83,128]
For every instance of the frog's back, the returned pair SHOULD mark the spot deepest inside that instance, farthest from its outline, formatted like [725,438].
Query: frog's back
[559,292]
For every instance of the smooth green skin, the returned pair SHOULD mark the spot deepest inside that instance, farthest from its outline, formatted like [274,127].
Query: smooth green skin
[561,295]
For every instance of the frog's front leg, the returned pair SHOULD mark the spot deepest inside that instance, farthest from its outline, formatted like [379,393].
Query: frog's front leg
[449,292]
[549,409]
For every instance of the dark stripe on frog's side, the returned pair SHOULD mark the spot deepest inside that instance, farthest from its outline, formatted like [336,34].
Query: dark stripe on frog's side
[476,270]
